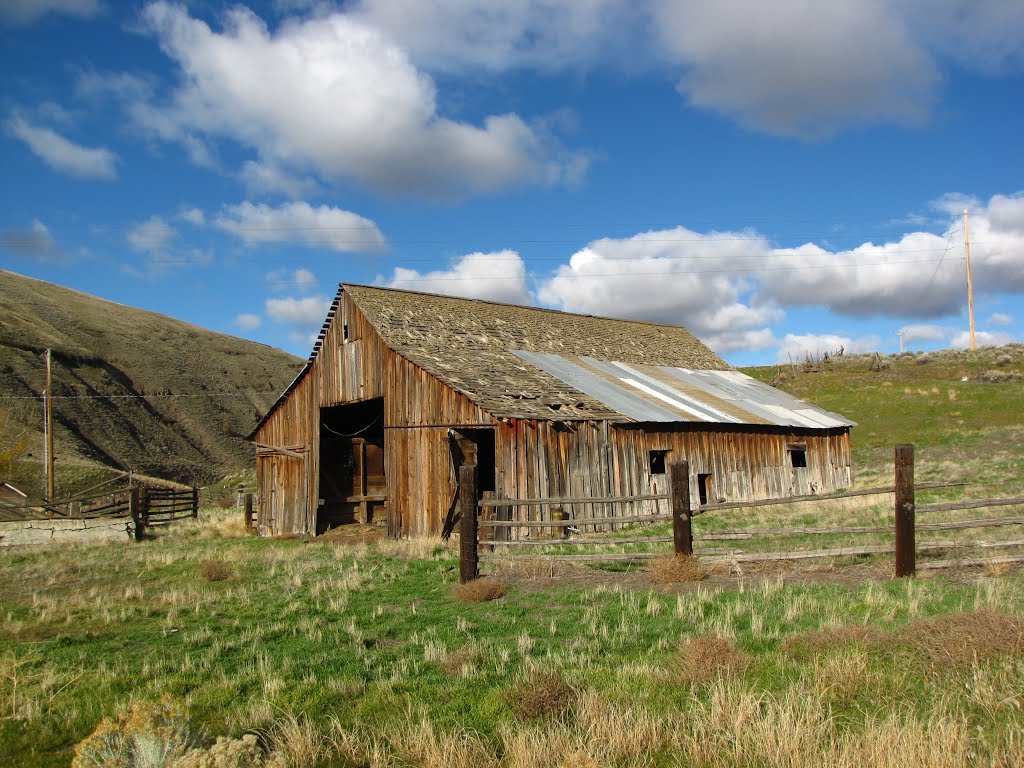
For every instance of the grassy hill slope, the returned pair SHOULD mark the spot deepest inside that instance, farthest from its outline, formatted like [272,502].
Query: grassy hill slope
[133,389]
[963,410]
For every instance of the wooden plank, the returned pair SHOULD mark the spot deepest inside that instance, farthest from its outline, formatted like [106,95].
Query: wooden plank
[970,504]
[584,542]
[972,562]
[819,497]
[740,535]
[571,500]
[573,523]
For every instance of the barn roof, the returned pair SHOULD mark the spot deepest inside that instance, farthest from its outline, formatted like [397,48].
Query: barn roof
[534,363]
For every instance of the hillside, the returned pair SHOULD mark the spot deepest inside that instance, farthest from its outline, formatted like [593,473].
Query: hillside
[133,389]
[963,410]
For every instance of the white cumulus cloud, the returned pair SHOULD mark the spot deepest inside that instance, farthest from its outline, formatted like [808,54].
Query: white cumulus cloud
[797,347]
[334,96]
[498,276]
[64,155]
[300,279]
[152,236]
[248,321]
[962,340]
[302,223]
[303,312]
[36,242]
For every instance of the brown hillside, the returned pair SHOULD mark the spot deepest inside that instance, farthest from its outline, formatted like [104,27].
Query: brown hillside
[133,389]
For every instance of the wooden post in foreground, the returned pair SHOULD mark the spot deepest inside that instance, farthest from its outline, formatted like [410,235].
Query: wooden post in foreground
[905,510]
[195,501]
[135,509]
[469,561]
[249,511]
[682,529]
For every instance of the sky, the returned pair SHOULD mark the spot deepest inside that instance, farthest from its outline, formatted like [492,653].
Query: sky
[784,179]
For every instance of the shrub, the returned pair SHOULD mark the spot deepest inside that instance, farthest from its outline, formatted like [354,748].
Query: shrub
[147,736]
[675,569]
[225,753]
[225,503]
[706,658]
[543,696]
[480,590]
[214,570]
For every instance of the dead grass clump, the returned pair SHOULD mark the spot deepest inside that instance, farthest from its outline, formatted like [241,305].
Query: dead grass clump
[675,569]
[225,503]
[480,590]
[214,570]
[821,642]
[706,658]
[455,662]
[963,639]
[543,696]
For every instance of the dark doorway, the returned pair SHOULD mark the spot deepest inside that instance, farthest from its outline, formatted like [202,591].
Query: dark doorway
[704,487]
[352,482]
[471,446]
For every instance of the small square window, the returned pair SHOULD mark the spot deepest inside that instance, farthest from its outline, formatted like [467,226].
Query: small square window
[797,455]
[704,487]
[658,462]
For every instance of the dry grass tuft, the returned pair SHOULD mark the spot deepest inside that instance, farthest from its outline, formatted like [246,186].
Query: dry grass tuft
[821,642]
[706,658]
[543,696]
[672,570]
[964,639]
[480,590]
[214,570]
[455,662]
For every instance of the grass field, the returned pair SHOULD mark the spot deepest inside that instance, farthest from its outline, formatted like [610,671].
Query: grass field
[341,652]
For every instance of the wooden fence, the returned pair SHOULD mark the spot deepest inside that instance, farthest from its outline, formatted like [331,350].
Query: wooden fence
[904,526]
[148,507]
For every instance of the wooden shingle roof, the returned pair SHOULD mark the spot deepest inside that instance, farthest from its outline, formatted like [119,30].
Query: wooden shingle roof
[468,344]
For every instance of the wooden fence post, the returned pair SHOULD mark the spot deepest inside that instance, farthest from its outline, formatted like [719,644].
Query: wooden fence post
[905,511]
[469,561]
[135,510]
[682,529]
[248,511]
[195,501]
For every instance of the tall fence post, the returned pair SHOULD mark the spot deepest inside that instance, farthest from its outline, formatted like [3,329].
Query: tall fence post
[195,501]
[249,511]
[469,555]
[682,529]
[906,564]
[135,510]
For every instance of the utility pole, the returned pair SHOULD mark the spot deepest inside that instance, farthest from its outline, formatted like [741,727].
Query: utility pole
[970,286]
[48,400]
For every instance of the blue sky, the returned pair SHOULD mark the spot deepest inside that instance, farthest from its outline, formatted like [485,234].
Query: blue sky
[781,178]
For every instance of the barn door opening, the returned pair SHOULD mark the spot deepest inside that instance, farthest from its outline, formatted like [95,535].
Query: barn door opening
[471,446]
[352,483]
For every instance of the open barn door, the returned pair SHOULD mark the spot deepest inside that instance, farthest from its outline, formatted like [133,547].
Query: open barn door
[352,483]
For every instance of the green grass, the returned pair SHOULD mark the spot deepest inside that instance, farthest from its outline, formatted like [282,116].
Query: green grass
[358,639]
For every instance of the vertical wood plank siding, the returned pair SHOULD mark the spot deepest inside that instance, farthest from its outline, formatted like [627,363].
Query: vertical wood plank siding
[418,411]
[532,458]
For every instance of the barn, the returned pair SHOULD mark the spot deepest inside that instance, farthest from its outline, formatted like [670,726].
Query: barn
[402,388]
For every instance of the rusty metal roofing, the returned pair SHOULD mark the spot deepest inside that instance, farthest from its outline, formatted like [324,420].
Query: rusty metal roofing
[662,393]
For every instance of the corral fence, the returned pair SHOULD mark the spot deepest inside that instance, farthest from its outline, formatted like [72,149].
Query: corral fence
[142,506]
[494,516]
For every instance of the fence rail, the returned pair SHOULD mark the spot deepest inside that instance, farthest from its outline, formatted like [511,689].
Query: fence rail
[903,527]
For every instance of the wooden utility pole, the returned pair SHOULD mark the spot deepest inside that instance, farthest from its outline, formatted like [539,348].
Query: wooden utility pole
[970,285]
[48,403]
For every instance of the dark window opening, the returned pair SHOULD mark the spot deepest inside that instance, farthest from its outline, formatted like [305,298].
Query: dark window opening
[798,455]
[658,462]
[344,331]
[703,487]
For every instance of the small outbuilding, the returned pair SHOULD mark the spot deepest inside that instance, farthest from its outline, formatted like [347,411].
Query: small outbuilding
[402,387]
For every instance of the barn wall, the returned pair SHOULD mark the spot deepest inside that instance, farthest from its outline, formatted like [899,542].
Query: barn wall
[418,412]
[544,459]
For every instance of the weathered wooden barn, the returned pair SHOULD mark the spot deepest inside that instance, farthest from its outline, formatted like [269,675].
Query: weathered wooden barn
[401,387]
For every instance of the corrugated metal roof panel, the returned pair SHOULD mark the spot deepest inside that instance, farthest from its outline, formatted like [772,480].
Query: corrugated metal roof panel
[646,393]
[618,398]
